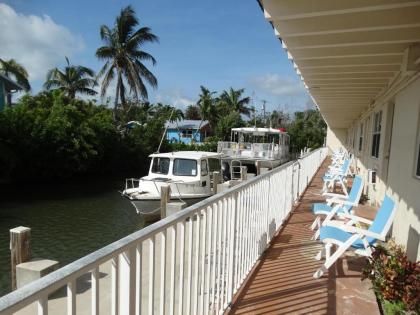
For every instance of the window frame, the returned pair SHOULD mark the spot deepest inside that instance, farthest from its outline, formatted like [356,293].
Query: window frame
[161,158]
[361,134]
[376,131]
[417,150]
[201,168]
[173,167]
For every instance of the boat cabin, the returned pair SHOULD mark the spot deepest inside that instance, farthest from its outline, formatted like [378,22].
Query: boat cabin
[256,143]
[184,166]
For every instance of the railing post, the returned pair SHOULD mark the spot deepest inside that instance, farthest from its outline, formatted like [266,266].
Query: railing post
[20,249]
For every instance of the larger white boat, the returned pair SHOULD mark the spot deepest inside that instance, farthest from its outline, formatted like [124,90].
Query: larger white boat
[186,172]
[249,146]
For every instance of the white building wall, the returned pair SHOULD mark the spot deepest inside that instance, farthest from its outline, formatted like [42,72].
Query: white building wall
[396,163]
[336,138]
[402,183]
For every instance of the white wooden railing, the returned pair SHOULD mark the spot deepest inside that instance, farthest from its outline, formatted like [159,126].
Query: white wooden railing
[192,262]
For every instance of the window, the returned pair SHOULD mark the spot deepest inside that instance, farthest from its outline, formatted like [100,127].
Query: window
[184,167]
[186,133]
[204,169]
[376,134]
[160,165]
[214,165]
[361,137]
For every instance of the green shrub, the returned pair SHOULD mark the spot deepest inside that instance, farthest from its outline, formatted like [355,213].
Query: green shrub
[395,279]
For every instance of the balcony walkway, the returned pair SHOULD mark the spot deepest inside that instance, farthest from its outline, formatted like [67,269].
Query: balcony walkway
[282,281]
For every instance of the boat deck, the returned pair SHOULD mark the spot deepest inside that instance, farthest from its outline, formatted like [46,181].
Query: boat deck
[282,281]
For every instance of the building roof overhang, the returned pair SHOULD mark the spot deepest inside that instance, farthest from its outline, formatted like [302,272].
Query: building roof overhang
[347,53]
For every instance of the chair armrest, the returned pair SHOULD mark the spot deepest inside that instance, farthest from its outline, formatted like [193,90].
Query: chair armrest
[357,218]
[333,195]
[353,229]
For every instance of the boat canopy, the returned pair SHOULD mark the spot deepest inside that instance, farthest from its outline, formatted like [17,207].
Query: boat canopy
[257,131]
[193,155]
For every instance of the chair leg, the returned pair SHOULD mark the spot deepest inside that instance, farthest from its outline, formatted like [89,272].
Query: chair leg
[320,272]
[316,223]
[320,254]
[316,235]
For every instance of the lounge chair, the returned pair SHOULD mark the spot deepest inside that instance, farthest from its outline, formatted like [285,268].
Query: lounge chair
[338,175]
[337,205]
[347,236]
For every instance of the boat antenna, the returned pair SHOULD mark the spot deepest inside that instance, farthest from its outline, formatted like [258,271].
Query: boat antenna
[253,106]
[166,129]
[263,109]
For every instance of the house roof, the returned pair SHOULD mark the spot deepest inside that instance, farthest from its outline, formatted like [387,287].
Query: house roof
[186,124]
[9,83]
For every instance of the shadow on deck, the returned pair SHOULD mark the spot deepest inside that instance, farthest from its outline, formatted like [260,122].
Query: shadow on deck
[282,281]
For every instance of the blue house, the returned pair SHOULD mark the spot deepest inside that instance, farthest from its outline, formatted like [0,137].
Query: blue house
[7,87]
[187,131]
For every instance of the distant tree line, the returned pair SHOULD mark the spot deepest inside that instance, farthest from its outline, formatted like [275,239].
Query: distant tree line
[56,135]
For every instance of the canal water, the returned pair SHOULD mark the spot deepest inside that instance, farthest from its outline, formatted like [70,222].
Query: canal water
[68,221]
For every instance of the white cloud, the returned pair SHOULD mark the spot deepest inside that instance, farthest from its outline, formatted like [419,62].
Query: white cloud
[175,98]
[37,42]
[279,85]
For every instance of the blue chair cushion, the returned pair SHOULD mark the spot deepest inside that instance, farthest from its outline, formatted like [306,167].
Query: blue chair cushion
[330,232]
[323,208]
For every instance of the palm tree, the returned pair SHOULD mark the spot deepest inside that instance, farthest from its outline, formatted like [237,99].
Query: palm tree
[124,57]
[72,80]
[206,104]
[232,100]
[12,69]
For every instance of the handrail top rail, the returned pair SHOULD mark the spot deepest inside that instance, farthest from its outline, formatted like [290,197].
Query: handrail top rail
[55,280]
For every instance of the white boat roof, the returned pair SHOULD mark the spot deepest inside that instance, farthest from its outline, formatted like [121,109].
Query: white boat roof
[257,130]
[194,155]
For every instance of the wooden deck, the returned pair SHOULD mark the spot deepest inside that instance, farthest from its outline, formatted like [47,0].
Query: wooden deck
[282,281]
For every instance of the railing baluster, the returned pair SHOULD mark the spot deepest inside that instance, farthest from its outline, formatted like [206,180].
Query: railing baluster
[196,266]
[71,297]
[42,305]
[214,255]
[127,281]
[114,286]
[204,241]
[210,230]
[162,272]
[151,274]
[224,253]
[189,265]
[219,257]
[95,290]
[139,278]
[172,271]
[181,266]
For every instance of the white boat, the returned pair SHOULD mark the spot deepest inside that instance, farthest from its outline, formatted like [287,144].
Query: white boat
[249,146]
[188,173]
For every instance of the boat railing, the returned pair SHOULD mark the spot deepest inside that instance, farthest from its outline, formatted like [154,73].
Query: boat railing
[193,261]
[249,150]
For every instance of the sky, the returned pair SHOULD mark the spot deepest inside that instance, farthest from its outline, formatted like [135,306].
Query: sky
[216,43]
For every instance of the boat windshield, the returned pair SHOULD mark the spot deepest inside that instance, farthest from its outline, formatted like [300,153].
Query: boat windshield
[185,167]
[160,165]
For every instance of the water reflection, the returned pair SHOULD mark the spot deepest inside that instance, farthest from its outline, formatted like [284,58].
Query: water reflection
[67,221]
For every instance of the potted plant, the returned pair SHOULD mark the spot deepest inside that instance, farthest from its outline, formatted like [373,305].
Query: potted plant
[395,279]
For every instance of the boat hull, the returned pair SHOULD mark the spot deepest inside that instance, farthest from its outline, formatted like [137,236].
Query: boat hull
[149,209]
